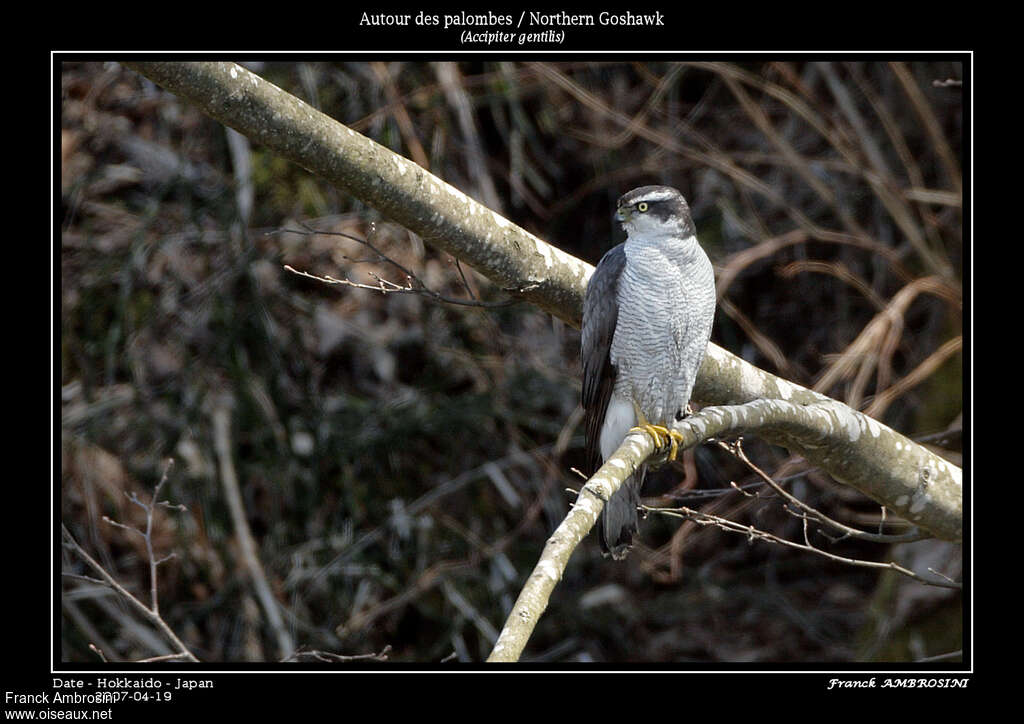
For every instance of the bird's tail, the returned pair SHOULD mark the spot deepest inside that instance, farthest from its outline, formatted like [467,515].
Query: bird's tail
[619,520]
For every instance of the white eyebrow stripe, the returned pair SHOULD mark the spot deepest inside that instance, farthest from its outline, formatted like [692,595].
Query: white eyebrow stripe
[655,196]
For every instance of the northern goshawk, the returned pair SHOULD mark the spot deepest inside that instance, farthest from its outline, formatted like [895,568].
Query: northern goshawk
[647,316]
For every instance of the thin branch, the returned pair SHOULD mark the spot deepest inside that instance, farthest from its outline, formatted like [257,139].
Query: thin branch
[165,657]
[84,579]
[752,534]
[329,657]
[152,612]
[876,342]
[931,125]
[465,281]
[150,615]
[883,399]
[153,562]
[958,654]
[413,284]
[808,511]
[147,534]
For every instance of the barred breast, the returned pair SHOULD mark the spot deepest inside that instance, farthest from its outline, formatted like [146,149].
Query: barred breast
[666,302]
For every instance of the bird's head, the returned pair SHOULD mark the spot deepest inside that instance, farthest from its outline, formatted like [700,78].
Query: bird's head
[651,211]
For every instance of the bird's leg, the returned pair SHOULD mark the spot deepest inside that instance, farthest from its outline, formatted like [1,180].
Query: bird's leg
[662,435]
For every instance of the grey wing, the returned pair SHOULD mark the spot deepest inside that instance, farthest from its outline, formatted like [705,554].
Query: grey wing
[600,315]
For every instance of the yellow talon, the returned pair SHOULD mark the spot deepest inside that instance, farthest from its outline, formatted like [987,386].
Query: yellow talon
[659,433]
[662,436]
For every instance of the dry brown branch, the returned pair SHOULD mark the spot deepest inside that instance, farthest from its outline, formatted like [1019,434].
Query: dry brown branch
[882,400]
[839,271]
[764,344]
[882,181]
[879,181]
[931,124]
[899,144]
[734,265]
[874,346]
[792,157]
[712,157]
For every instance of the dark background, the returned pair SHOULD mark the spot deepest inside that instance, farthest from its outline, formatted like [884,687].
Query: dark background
[402,461]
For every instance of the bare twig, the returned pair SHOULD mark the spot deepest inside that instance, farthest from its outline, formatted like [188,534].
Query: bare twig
[413,284]
[329,657]
[150,615]
[736,448]
[753,534]
[148,535]
[152,612]
[165,657]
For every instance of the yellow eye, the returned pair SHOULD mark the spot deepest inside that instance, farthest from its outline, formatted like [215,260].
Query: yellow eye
[641,207]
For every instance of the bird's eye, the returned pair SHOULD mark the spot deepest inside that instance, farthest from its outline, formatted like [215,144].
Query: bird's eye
[642,206]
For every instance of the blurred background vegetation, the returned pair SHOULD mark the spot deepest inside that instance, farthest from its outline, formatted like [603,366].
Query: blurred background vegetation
[402,461]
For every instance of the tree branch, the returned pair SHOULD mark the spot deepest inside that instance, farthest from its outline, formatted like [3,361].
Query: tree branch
[533,598]
[825,425]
